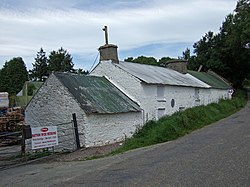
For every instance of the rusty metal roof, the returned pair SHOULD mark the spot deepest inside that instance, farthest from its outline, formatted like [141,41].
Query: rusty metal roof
[97,94]
[160,75]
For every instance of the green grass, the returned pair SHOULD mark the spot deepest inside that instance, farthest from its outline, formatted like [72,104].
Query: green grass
[246,83]
[179,124]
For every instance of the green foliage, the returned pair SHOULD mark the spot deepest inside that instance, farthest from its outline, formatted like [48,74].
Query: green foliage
[60,60]
[147,60]
[82,72]
[31,89]
[13,75]
[129,59]
[246,83]
[170,128]
[163,60]
[143,60]
[186,55]
[227,53]
[40,67]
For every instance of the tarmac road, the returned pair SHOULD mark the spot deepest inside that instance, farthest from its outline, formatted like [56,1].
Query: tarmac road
[217,155]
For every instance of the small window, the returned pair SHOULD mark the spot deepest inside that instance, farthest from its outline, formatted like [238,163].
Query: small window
[197,94]
[160,112]
[172,103]
[160,92]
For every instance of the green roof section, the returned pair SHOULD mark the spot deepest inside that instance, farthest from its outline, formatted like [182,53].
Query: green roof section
[211,79]
[97,94]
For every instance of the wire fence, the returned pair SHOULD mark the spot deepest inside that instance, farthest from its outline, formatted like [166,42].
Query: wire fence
[15,148]
[10,148]
[66,139]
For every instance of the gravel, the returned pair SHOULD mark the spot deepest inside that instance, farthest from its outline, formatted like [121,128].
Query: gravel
[84,153]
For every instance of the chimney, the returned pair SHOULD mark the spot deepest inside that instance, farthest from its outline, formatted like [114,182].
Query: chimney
[108,51]
[177,65]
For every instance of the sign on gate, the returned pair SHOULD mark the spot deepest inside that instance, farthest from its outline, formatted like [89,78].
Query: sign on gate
[43,137]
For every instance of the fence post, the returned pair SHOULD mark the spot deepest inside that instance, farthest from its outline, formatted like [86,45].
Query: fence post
[76,131]
[23,142]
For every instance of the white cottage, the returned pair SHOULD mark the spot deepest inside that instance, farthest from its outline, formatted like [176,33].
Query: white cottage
[158,90]
[104,114]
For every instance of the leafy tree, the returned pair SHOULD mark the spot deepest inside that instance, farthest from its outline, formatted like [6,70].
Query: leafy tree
[163,60]
[129,59]
[186,54]
[142,60]
[235,33]
[145,60]
[40,67]
[148,60]
[60,60]
[31,88]
[81,72]
[227,52]
[13,75]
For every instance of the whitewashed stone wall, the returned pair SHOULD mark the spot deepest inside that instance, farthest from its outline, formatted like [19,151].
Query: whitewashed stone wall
[53,105]
[110,128]
[146,94]
[129,85]
[126,82]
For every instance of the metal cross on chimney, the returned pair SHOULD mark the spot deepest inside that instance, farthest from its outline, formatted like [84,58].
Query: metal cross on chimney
[105,29]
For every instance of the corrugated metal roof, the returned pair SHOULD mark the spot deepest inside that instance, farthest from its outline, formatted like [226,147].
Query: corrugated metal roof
[160,75]
[210,79]
[97,94]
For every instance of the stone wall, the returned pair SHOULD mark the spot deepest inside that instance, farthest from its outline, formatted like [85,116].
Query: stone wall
[175,97]
[53,105]
[110,128]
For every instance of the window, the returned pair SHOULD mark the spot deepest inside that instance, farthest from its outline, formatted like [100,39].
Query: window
[197,94]
[160,92]
[160,112]
[172,103]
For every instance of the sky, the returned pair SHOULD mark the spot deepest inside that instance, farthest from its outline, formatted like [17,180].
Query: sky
[155,28]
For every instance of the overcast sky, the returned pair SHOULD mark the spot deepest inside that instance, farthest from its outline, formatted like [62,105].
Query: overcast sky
[139,27]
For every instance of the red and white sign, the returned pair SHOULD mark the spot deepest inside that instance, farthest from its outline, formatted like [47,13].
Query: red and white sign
[43,137]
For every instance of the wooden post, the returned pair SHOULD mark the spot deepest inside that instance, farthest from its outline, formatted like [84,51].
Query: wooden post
[76,131]
[23,142]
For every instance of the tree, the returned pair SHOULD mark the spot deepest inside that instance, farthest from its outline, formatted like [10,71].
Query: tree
[142,60]
[164,60]
[60,60]
[13,75]
[40,67]
[145,60]
[186,54]
[227,52]
[81,71]
[129,59]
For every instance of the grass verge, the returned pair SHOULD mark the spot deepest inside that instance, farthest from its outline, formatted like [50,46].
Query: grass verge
[180,123]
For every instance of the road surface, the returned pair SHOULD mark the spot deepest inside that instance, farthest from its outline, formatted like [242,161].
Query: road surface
[217,155]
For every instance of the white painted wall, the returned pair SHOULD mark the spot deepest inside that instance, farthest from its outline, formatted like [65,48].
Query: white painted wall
[53,105]
[110,128]
[129,85]
[146,94]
